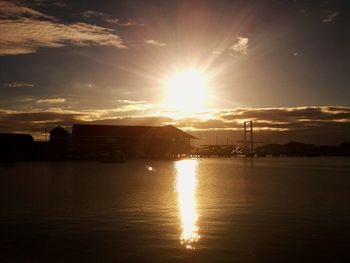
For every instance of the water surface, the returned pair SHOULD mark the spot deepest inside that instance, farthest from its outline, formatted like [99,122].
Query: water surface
[210,210]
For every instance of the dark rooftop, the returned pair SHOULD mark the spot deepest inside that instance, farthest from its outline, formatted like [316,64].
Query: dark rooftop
[15,137]
[129,131]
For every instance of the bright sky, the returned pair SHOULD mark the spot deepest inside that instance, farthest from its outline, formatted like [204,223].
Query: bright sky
[201,65]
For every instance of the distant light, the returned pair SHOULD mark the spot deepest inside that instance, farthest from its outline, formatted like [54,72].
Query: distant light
[150,168]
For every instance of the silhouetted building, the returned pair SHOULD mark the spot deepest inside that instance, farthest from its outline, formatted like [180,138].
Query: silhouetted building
[15,139]
[131,141]
[270,149]
[15,147]
[345,148]
[298,149]
[59,141]
[326,150]
[59,133]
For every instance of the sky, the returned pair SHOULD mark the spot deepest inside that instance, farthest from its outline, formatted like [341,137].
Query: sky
[283,64]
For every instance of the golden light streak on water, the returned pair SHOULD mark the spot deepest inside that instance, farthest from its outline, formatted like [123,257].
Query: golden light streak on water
[186,183]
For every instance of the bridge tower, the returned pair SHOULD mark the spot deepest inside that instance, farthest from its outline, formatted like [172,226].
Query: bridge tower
[248,129]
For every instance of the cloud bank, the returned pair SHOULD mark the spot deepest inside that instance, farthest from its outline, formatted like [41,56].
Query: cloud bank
[24,30]
[11,10]
[314,124]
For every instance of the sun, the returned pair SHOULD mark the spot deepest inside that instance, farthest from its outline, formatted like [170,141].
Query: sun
[187,91]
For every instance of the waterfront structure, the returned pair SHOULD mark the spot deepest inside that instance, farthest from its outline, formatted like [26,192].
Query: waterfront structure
[249,151]
[59,134]
[15,146]
[131,141]
[15,139]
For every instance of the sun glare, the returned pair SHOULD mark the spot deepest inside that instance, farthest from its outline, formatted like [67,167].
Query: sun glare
[187,91]
[186,184]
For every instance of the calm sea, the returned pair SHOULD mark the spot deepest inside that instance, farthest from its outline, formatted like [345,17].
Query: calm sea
[210,210]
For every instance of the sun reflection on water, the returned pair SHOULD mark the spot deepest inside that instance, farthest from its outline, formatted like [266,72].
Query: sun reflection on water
[186,183]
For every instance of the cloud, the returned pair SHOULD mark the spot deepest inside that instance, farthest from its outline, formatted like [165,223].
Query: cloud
[36,122]
[108,18]
[25,30]
[91,14]
[127,23]
[135,107]
[46,3]
[23,36]
[241,45]
[19,85]
[278,119]
[51,101]
[300,115]
[331,17]
[319,125]
[11,10]
[131,101]
[155,43]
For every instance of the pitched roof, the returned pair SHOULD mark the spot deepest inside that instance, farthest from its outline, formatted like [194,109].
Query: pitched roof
[128,131]
[59,131]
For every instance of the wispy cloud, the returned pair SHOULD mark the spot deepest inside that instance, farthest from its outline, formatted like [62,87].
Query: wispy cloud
[51,101]
[18,85]
[296,117]
[155,43]
[331,17]
[45,3]
[27,33]
[126,23]
[108,18]
[131,101]
[134,107]
[11,10]
[241,45]
[23,36]
[91,14]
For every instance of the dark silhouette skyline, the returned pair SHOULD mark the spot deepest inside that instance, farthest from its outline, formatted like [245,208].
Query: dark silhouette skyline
[113,143]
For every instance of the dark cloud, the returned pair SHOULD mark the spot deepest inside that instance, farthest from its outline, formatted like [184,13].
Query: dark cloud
[37,122]
[9,9]
[109,19]
[45,3]
[289,114]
